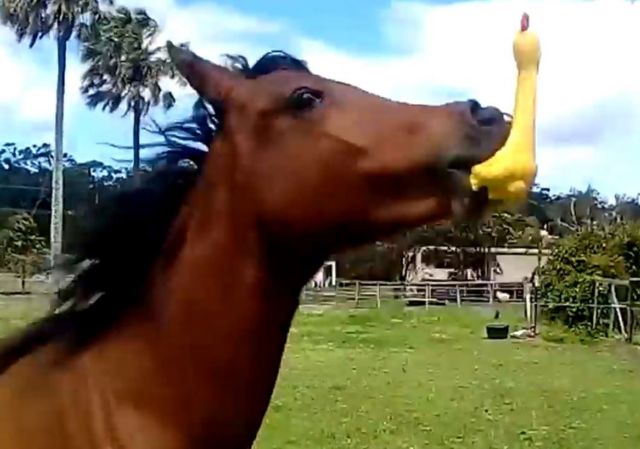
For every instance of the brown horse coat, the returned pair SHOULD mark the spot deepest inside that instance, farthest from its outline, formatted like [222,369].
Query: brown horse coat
[172,338]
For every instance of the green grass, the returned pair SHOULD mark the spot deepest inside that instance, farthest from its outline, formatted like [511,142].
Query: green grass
[416,379]
[17,311]
[419,379]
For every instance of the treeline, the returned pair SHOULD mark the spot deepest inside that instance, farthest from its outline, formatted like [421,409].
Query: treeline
[25,187]
[25,180]
[541,221]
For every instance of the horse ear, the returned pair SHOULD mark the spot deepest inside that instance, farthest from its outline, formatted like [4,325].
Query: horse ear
[211,81]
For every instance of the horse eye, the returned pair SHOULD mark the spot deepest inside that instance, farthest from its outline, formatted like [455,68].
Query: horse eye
[305,98]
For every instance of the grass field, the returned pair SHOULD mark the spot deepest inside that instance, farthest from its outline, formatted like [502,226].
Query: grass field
[416,379]
[412,379]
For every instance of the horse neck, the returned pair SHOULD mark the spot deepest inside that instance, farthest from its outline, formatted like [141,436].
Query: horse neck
[224,304]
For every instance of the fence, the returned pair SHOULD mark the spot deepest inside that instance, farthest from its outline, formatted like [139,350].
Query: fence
[423,293]
[614,305]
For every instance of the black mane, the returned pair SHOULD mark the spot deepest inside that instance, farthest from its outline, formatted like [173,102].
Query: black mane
[127,233]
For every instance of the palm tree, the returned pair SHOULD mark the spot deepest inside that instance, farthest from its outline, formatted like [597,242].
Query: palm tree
[125,67]
[33,20]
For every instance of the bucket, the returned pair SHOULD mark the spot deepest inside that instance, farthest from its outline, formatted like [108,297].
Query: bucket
[497,331]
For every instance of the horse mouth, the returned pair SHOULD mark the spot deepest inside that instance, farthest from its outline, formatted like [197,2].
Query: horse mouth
[466,203]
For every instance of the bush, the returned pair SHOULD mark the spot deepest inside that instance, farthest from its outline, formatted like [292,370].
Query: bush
[22,249]
[568,275]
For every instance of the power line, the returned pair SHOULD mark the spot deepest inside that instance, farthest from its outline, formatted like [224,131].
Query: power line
[10,186]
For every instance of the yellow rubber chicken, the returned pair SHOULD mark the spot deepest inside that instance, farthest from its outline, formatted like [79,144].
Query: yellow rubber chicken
[510,173]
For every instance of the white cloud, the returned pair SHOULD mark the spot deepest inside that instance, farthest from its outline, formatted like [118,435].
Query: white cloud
[210,29]
[589,82]
[28,76]
[28,81]
[589,85]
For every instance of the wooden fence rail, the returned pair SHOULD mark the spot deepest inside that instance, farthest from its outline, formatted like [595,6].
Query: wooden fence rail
[622,313]
[436,292]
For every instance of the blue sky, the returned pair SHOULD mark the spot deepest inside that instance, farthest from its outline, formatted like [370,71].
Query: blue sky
[417,51]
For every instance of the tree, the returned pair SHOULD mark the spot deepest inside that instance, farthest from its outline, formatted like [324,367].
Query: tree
[23,249]
[33,20]
[125,67]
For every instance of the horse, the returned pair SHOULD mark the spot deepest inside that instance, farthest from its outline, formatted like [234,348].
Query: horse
[171,333]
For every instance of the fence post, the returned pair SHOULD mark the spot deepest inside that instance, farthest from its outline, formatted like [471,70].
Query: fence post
[632,320]
[491,291]
[612,319]
[357,293]
[632,324]
[378,294]
[595,305]
[458,299]
[616,304]
[535,286]
[629,323]
[427,295]
[528,313]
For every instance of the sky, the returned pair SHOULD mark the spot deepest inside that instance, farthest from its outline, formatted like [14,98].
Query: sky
[431,52]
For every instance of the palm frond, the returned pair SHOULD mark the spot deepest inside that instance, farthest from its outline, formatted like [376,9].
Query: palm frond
[32,20]
[120,57]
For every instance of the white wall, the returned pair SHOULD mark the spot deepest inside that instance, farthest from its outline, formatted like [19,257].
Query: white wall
[517,266]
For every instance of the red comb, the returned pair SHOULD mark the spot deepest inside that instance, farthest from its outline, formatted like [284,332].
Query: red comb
[524,22]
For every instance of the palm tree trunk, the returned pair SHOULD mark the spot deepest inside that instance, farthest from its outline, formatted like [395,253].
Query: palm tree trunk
[57,206]
[136,143]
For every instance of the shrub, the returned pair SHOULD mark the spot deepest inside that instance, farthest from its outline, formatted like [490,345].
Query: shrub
[22,248]
[568,275]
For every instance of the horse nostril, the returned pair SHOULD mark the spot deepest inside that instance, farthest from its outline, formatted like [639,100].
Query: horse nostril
[474,107]
[489,116]
[483,116]
[490,128]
